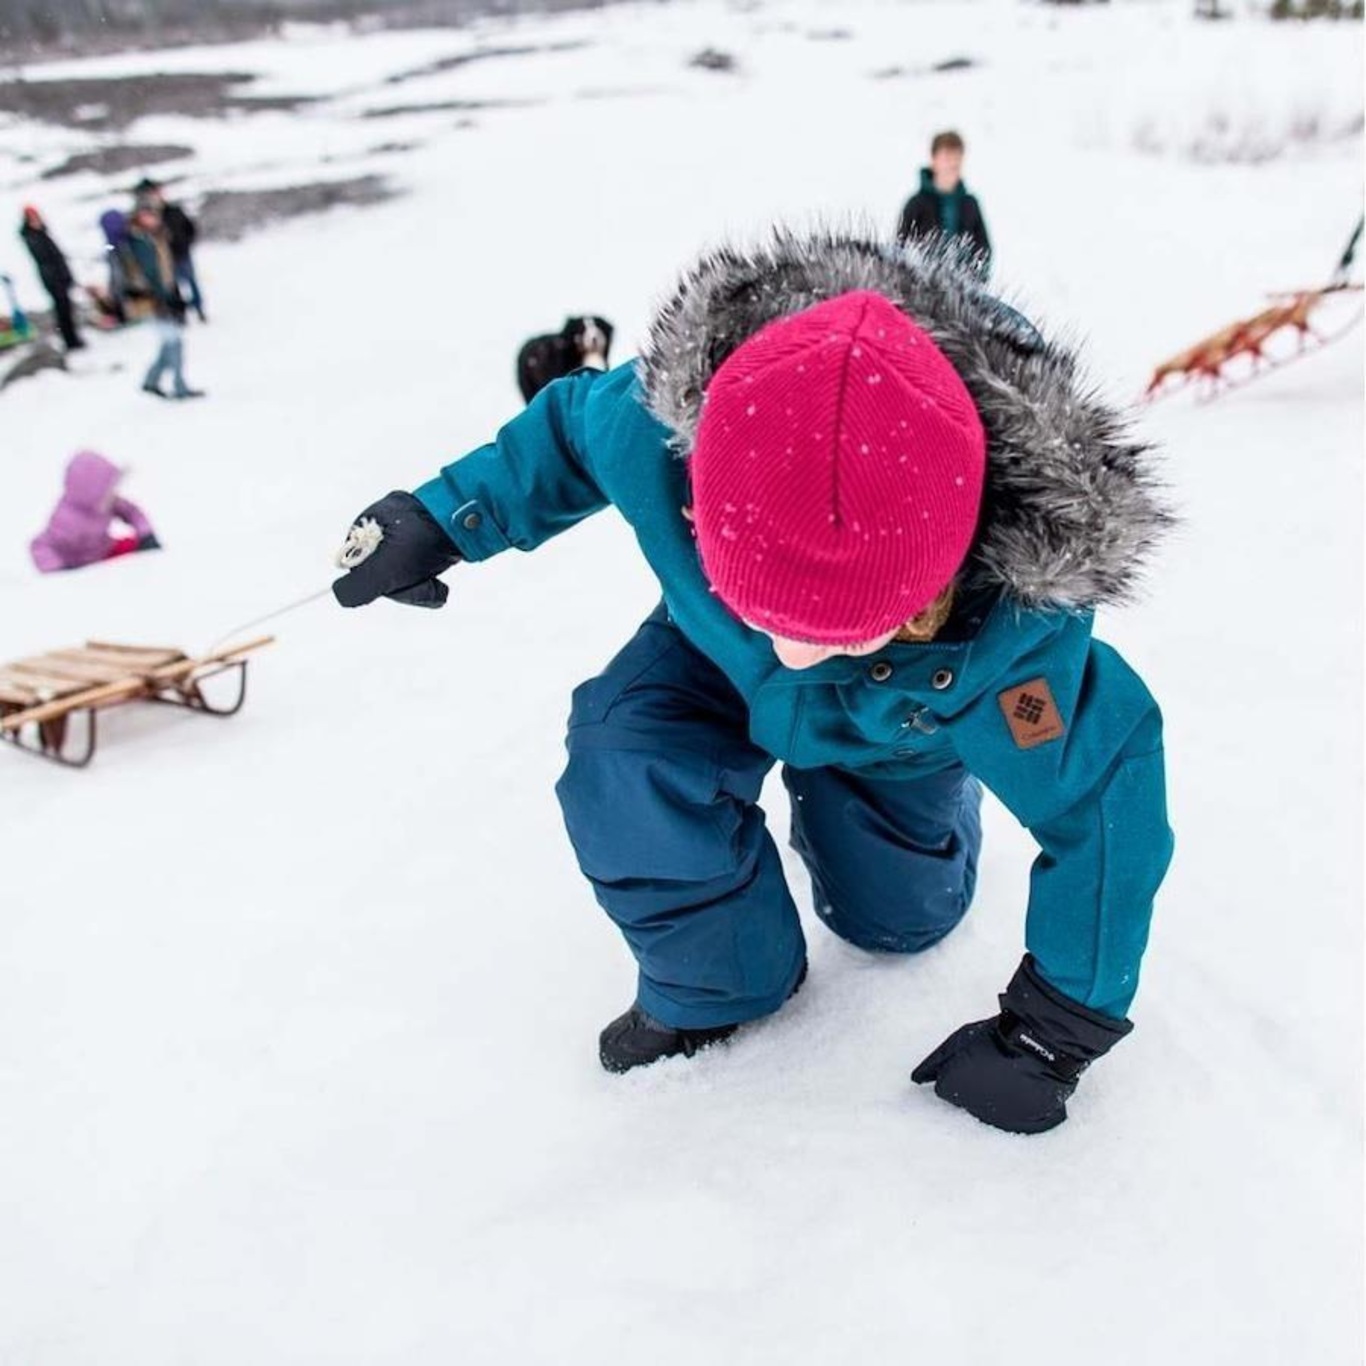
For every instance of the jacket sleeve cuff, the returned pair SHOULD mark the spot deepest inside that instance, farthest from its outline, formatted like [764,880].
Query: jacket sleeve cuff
[467,521]
[1078,1030]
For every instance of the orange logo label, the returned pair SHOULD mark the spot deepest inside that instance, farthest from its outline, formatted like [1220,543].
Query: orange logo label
[1031,713]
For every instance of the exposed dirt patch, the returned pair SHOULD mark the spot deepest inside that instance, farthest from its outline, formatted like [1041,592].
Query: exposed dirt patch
[116,101]
[954,64]
[125,157]
[949,64]
[228,215]
[713,59]
[382,149]
[37,29]
[482,54]
[407,14]
[393,111]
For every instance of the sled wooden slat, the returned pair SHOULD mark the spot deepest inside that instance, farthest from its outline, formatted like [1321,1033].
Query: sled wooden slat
[97,666]
[119,661]
[78,671]
[58,685]
[87,698]
[15,696]
[142,654]
[38,694]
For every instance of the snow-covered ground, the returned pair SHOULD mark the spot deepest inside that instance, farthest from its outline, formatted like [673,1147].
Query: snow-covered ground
[298,1012]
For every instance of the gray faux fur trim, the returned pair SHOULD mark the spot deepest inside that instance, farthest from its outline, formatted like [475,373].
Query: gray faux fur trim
[1071,509]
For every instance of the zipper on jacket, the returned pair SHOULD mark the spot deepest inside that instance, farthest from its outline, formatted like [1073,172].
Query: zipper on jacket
[917,721]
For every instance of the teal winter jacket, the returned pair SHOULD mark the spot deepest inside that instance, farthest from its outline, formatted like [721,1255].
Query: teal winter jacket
[1051,720]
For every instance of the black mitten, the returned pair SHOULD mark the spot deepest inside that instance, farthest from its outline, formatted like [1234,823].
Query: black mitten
[1016,1071]
[395,549]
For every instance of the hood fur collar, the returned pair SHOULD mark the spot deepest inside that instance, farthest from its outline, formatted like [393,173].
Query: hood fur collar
[1071,509]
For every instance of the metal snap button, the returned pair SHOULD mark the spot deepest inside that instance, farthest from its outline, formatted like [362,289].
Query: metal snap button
[943,678]
[880,672]
[472,522]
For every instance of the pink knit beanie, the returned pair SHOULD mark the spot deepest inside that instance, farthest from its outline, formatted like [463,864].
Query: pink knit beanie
[837,473]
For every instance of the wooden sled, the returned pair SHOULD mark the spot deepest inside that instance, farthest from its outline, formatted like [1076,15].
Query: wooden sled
[48,703]
[29,358]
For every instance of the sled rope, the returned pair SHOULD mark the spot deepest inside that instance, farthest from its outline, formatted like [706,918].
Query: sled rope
[362,540]
[1349,255]
[268,616]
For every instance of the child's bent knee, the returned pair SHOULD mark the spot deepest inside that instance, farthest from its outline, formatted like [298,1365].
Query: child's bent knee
[879,938]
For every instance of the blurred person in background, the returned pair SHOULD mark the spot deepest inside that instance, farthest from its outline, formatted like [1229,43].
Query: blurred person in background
[54,272]
[136,299]
[943,206]
[151,251]
[114,226]
[80,530]
[181,232]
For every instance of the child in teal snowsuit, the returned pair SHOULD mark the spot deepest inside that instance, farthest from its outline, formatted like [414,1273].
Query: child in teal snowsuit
[882,511]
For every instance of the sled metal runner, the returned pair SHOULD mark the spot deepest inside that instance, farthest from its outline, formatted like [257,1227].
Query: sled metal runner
[49,703]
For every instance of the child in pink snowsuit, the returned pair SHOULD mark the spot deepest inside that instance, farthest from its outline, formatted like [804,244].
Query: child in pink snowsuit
[78,532]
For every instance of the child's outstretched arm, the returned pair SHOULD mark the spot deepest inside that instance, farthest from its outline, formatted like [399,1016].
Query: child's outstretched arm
[530,483]
[130,513]
[1073,746]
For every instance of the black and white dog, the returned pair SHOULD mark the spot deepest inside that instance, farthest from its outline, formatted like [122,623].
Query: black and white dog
[580,342]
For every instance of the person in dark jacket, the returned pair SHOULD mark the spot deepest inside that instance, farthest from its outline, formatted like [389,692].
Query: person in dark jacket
[882,509]
[943,206]
[151,251]
[54,272]
[181,231]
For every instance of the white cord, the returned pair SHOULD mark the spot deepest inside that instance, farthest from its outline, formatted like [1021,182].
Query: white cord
[362,540]
[269,616]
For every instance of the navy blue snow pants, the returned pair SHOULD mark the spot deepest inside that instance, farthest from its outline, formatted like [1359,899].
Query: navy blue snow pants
[660,799]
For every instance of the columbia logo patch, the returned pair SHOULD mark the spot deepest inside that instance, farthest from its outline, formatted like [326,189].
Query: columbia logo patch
[1035,1046]
[1031,713]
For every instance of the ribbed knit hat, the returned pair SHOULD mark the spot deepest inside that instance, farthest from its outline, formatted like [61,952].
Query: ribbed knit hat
[837,473]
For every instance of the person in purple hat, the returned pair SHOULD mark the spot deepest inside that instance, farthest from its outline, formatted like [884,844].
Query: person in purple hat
[80,530]
[114,226]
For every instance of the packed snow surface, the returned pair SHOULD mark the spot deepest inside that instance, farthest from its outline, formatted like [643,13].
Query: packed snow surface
[298,1011]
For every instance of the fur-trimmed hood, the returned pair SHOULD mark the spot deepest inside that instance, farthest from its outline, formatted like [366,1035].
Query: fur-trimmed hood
[1071,509]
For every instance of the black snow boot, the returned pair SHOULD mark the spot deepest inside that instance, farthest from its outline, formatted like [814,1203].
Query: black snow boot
[636,1039]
